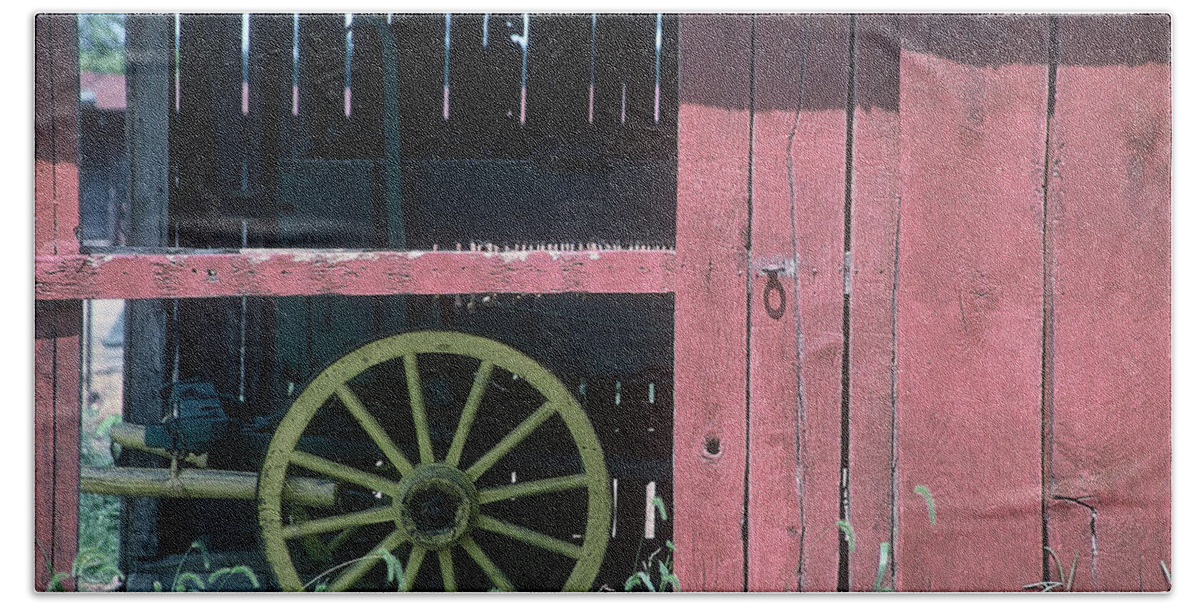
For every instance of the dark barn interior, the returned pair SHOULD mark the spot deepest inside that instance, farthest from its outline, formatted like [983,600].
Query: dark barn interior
[418,132]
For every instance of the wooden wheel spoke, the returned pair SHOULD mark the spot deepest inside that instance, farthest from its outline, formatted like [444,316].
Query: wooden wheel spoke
[523,430]
[447,563]
[364,564]
[482,376]
[417,401]
[532,488]
[374,430]
[412,566]
[339,522]
[342,472]
[486,564]
[529,537]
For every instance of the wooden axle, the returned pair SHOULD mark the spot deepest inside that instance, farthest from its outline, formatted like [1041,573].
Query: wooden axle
[133,436]
[190,483]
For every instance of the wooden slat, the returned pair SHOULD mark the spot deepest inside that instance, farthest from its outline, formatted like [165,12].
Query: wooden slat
[367,87]
[306,272]
[45,565]
[204,136]
[874,209]
[559,70]
[637,65]
[271,94]
[610,42]
[819,158]
[421,41]
[43,146]
[776,526]
[56,326]
[56,438]
[67,410]
[972,119]
[322,80]
[669,76]
[485,86]
[710,315]
[1110,193]
[150,44]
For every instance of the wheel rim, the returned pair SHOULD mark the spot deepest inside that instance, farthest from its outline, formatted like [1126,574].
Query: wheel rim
[434,505]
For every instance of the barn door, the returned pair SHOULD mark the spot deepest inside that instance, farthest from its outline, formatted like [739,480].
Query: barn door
[886,272]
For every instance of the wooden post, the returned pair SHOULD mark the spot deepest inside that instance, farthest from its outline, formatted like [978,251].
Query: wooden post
[874,213]
[149,45]
[972,119]
[57,324]
[710,302]
[1110,348]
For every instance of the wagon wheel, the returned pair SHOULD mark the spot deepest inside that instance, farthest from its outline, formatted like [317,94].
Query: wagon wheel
[431,504]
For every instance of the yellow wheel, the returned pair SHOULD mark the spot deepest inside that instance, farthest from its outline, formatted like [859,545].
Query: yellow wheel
[417,470]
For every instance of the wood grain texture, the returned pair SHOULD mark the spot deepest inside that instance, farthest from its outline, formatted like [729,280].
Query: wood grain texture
[776,526]
[307,272]
[1110,193]
[56,325]
[970,307]
[819,160]
[874,214]
[801,62]
[710,300]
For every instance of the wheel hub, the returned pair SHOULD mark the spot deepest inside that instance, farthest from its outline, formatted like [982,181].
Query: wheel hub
[435,505]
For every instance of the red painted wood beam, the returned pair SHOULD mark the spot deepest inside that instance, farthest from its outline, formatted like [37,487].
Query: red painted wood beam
[874,210]
[710,302]
[801,69]
[56,333]
[969,357]
[272,272]
[776,524]
[1110,201]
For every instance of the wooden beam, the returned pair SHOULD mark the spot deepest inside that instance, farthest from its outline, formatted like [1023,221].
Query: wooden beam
[197,484]
[874,211]
[309,272]
[1110,341]
[56,325]
[973,119]
[149,45]
[710,302]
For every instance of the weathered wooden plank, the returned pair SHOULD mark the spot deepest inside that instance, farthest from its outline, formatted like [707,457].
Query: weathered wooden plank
[43,453]
[304,272]
[710,315]
[367,86]
[149,46]
[56,325]
[637,63]
[56,438]
[271,91]
[322,80]
[66,135]
[204,134]
[67,409]
[559,72]
[421,39]
[43,143]
[1110,193]
[776,526]
[819,158]
[874,208]
[972,119]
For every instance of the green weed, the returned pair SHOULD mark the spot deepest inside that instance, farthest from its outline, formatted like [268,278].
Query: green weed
[395,570]
[664,567]
[1065,582]
[206,581]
